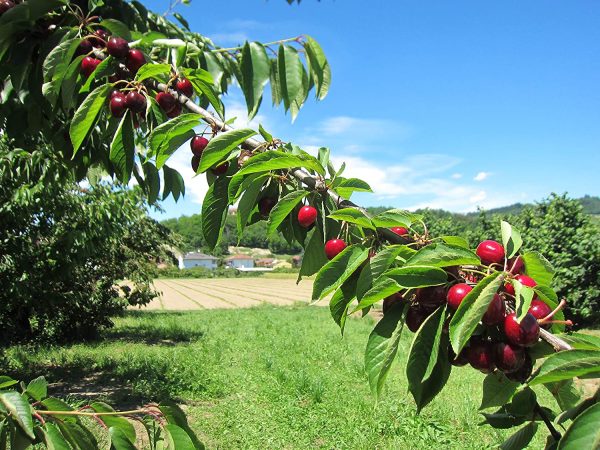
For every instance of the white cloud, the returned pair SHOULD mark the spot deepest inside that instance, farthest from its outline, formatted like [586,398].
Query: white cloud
[456,176]
[233,38]
[352,126]
[481,176]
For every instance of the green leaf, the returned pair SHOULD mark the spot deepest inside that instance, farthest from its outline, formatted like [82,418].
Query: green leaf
[53,438]
[574,412]
[346,186]
[176,416]
[352,215]
[395,218]
[105,68]
[566,365]
[298,101]
[55,404]
[255,68]
[319,67]
[276,160]
[382,287]
[275,84]
[340,301]
[117,28]
[497,390]
[375,268]
[119,439]
[123,425]
[182,20]
[203,83]
[214,211]
[247,202]
[151,70]
[152,181]
[265,134]
[19,409]
[78,436]
[38,389]
[6,381]
[173,183]
[443,255]
[178,438]
[511,239]
[426,361]
[382,347]
[86,115]
[417,276]
[314,254]
[456,241]
[290,74]
[523,298]
[122,150]
[336,271]
[221,146]
[565,393]
[584,432]
[284,206]
[538,268]
[472,309]
[169,136]
[521,438]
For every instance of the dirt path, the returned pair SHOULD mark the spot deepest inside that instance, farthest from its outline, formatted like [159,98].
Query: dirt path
[202,293]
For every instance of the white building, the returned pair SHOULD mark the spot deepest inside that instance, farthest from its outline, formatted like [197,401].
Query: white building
[195,259]
[240,261]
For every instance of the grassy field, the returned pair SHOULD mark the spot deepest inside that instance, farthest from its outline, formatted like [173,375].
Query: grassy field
[266,377]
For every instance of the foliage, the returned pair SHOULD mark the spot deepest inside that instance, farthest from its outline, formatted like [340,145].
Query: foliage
[64,249]
[202,272]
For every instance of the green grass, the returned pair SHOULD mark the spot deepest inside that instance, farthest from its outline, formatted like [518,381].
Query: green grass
[265,378]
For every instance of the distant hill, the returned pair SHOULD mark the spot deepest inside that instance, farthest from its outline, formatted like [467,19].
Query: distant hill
[591,205]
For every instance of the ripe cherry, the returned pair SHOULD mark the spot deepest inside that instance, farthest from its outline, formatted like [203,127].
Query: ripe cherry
[480,356]
[457,360]
[456,294]
[522,374]
[198,144]
[540,310]
[525,333]
[400,231]
[135,60]
[166,101]
[415,317]
[117,104]
[431,297]
[509,358]
[117,47]
[135,101]
[175,111]
[88,65]
[185,87]
[220,169]
[307,216]
[195,163]
[490,252]
[333,247]
[515,265]
[99,38]
[84,47]
[5,5]
[495,312]
[265,205]
[524,280]
[392,300]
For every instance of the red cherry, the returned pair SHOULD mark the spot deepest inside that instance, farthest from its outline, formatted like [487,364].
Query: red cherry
[175,111]
[166,101]
[88,65]
[392,300]
[509,358]
[515,265]
[136,102]
[116,94]
[135,60]
[307,216]
[118,105]
[5,5]
[85,47]
[185,87]
[198,144]
[524,280]
[490,252]
[99,38]
[525,333]
[195,163]
[495,312]
[457,360]
[480,356]
[117,47]
[400,231]
[265,205]
[431,297]
[456,294]
[415,317]
[220,169]
[333,247]
[540,310]
[521,375]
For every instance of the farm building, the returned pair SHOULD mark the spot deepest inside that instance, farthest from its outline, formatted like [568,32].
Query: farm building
[265,262]
[240,261]
[195,259]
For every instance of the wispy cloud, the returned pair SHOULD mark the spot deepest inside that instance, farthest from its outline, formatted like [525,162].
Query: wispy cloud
[481,176]
[343,125]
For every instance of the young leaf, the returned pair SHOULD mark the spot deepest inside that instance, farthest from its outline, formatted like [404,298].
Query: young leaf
[284,206]
[7,382]
[443,255]
[497,390]
[122,150]
[511,239]
[521,438]
[255,69]
[382,347]
[38,389]
[319,67]
[86,115]
[472,309]
[221,146]
[336,271]
[566,365]
[214,211]
[290,73]
[352,215]
[538,268]
[584,432]
[19,409]
[268,137]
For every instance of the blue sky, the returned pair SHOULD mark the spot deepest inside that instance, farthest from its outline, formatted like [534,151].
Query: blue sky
[436,104]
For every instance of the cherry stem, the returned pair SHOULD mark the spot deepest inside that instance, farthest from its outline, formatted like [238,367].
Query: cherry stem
[553,431]
[548,318]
